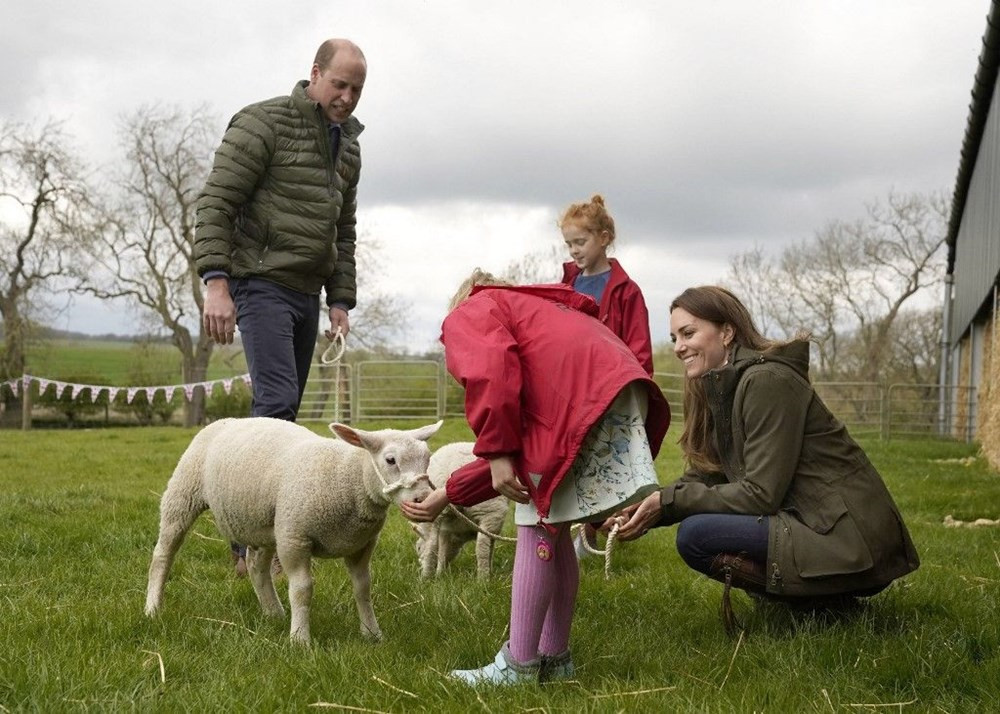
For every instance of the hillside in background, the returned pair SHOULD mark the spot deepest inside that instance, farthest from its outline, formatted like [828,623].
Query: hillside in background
[41,332]
[117,359]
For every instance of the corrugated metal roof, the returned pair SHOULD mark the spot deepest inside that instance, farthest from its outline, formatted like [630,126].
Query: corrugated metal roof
[979,108]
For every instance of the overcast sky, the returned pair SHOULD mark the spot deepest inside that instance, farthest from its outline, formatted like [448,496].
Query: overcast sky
[709,127]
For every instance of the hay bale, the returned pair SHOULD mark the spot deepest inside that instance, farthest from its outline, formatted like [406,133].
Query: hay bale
[988,432]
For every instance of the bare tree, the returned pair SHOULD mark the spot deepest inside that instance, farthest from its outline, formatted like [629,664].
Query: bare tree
[144,254]
[915,346]
[904,247]
[751,277]
[43,192]
[539,266]
[378,323]
[850,283]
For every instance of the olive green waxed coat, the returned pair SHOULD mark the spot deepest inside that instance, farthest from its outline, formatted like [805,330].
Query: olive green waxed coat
[834,527]
[277,205]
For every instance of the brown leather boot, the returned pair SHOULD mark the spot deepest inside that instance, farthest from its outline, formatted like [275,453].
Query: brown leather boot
[736,570]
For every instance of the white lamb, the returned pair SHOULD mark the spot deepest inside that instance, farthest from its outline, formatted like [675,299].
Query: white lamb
[440,541]
[275,485]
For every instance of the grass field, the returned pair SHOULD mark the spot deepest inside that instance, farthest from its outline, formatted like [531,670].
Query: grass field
[118,362]
[78,520]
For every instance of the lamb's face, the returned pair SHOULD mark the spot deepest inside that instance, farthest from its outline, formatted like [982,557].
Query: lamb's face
[403,465]
[400,458]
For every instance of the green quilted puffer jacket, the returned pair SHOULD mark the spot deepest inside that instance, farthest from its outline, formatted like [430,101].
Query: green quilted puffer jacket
[277,206]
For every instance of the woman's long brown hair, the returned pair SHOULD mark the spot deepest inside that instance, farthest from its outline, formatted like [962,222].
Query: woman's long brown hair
[721,307]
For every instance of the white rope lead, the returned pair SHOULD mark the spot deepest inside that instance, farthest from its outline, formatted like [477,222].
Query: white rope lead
[609,546]
[336,342]
[493,536]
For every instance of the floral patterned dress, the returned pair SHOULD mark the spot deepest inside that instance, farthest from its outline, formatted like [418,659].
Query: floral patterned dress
[613,469]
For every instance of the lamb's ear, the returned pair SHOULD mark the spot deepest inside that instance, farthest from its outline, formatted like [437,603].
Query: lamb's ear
[357,437]
[346,433]
[426,432]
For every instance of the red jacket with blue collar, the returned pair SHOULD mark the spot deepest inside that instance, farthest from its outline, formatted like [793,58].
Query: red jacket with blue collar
[538,371]
[623,310]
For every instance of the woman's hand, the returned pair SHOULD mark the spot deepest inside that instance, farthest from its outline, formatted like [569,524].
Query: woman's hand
[505,481]
[644,516]
[618,518]
[428,509]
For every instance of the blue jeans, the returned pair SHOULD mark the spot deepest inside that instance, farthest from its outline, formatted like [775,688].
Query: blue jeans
[705,535]
[278,327]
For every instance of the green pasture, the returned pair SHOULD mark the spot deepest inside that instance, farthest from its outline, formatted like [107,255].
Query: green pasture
[121,363]
[78,520]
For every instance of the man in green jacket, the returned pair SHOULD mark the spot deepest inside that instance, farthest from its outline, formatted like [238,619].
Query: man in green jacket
[276,224]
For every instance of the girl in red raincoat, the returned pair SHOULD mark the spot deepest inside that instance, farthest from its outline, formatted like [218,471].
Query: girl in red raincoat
[589,231]
[567,423]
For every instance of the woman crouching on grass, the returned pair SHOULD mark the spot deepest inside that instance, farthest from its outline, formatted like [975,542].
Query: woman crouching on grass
[778,499]
[567,422]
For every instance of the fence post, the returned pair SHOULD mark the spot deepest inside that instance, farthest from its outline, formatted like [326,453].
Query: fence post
[26,406]
[442,394]
[355,382]
[886,412]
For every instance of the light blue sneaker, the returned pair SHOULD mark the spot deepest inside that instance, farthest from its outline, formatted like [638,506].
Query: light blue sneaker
[556,667]
[502,671]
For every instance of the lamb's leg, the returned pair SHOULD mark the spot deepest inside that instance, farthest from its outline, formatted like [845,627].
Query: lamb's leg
[484,556]
[428,558]
[298,570]
[259,570]
[358,567]
[179,508]
[448,547]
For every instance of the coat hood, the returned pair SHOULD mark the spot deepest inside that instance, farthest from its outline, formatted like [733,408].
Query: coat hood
[793,354]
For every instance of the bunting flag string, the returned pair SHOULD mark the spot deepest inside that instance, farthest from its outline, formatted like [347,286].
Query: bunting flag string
[18,385]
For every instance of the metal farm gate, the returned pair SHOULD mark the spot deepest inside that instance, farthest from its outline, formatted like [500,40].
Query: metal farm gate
[391,390]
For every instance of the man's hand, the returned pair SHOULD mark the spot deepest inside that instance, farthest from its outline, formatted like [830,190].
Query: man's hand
[426,510]
[219,314]
[506,482]
[645,516]
[338,318]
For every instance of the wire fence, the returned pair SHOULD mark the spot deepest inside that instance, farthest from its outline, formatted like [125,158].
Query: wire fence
[395,390]
[400,390]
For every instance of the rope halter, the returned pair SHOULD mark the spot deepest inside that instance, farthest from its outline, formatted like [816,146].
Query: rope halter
[404,481]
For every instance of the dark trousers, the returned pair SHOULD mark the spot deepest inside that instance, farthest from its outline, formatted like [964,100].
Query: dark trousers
[278,327]
[703,536]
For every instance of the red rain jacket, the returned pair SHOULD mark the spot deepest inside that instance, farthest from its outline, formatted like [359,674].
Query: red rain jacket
[623,310]
[538,371]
